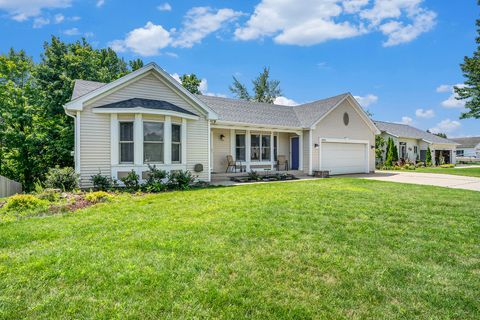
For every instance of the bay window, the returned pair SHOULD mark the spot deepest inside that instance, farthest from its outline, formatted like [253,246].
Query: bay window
[153,142]
[126,142]
[176,143]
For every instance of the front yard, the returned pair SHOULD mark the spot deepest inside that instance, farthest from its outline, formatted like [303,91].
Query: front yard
[331,248]
[470,172]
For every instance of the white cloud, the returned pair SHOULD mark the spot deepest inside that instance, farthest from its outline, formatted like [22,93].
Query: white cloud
[446,126]
[284,101]
[164,7]
[427,114]
[100,3]
[309,22]
[145,41]
[200,22]
[176,77]
[21,10]
[367,100]
[40,22]
[211,94]
[72,32]
[59,18]
[451,101]
[406,120]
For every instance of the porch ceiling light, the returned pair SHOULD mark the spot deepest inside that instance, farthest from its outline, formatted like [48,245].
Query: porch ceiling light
[316,145]
[222,137]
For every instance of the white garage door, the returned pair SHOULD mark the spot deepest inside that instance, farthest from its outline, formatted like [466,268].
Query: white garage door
[343,158]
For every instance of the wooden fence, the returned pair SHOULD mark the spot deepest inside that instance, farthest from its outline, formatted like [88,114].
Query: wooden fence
[9,187]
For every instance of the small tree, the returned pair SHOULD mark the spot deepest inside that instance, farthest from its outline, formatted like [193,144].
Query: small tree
[191,83]
[395,152]
[379,144]
[264,89]
[390,150]
[428,159]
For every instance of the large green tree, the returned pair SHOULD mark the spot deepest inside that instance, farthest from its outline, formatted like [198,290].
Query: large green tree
[264,89]
[471,89]
[191,83]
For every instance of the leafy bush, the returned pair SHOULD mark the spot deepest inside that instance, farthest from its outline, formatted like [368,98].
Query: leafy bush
[180,180]
[448,165]
[50,195]
[253,175]
[103,183]
[131,181]
[420,164]
[65,179]
[156,180]
[98,196]
[24,204]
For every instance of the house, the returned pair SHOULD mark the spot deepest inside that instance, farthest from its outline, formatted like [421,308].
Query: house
[413,143]
[147,117]
[469,147]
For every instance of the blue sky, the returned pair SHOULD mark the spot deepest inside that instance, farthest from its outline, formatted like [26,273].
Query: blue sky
[400,57]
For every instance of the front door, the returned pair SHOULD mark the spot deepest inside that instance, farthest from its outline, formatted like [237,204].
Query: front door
[295,153]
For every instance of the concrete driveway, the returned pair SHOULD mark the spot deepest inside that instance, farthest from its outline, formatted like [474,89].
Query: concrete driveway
[431,179]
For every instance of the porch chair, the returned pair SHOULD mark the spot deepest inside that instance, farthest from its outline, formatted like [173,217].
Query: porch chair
[233,165]
[282,162]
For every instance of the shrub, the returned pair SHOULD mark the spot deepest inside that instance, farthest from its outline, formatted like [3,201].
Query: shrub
[180,180]
[131,181]
[253,175]
[103,183]
[448,165]
[420,164]
[428,160]
[49,194]
[98,196]
[65,179]
[24,204]
[155,180]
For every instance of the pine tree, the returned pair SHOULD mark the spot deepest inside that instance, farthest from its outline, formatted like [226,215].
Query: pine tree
[428,159]
[390,150]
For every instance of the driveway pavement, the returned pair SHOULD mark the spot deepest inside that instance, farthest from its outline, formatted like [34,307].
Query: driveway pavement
[432,179]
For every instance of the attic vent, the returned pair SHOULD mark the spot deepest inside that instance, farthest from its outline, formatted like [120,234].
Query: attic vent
[346,119]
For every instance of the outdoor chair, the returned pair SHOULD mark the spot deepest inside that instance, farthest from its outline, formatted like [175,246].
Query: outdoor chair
[232,165]
[282,162]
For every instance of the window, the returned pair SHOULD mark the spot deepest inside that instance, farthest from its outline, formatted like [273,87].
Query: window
[275,147]
[415,149]
[126,142]
[240,147]
[260,147]
[176,143]
[460,153]
[152,142]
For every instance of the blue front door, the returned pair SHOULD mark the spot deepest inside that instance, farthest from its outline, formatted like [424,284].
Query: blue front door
[294,165]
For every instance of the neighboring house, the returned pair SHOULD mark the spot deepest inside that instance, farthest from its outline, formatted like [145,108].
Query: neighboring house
[469,147]
[413,143]
[146,117]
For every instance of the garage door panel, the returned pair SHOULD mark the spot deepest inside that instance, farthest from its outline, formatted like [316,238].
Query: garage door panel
[343,158]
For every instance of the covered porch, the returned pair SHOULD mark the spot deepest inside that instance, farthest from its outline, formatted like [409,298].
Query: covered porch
[257,149]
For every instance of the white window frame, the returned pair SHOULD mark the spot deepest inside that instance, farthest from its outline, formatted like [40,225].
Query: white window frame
[179,143]
[153,142]
[239,147]
[261,147]
[120,142]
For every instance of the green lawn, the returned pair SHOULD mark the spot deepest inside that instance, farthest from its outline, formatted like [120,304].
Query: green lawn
[471,172]
[335,248]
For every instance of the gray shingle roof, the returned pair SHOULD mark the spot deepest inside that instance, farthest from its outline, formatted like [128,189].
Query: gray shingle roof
[406,131]
[249,112]
[467,142]
[83,87]
[145,103]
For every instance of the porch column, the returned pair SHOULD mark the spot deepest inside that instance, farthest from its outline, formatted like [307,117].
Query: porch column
[167,140]
[310,152]
[272,160]
[114,141]
[300,151]
[232,144]
[138,138]
[247,150]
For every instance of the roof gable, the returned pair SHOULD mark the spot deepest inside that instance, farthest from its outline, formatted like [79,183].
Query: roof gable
[406,131]
[80,96]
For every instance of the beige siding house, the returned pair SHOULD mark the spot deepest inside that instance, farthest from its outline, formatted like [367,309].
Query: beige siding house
[147,117]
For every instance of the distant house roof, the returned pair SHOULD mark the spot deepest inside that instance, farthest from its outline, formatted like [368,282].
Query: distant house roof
[406,131]
[145,103]
[467,142]
[241,111]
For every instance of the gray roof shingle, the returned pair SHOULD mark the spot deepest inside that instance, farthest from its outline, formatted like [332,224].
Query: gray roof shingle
[467,142]
[146,103]
[406,131]
[83,87]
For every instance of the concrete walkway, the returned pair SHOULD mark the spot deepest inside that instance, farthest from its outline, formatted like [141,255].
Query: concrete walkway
[432,179]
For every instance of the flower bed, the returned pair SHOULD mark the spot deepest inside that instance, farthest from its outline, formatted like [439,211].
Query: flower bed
[267,177]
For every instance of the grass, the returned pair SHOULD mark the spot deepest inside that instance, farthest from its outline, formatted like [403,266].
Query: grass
[470,172]
[335,248]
